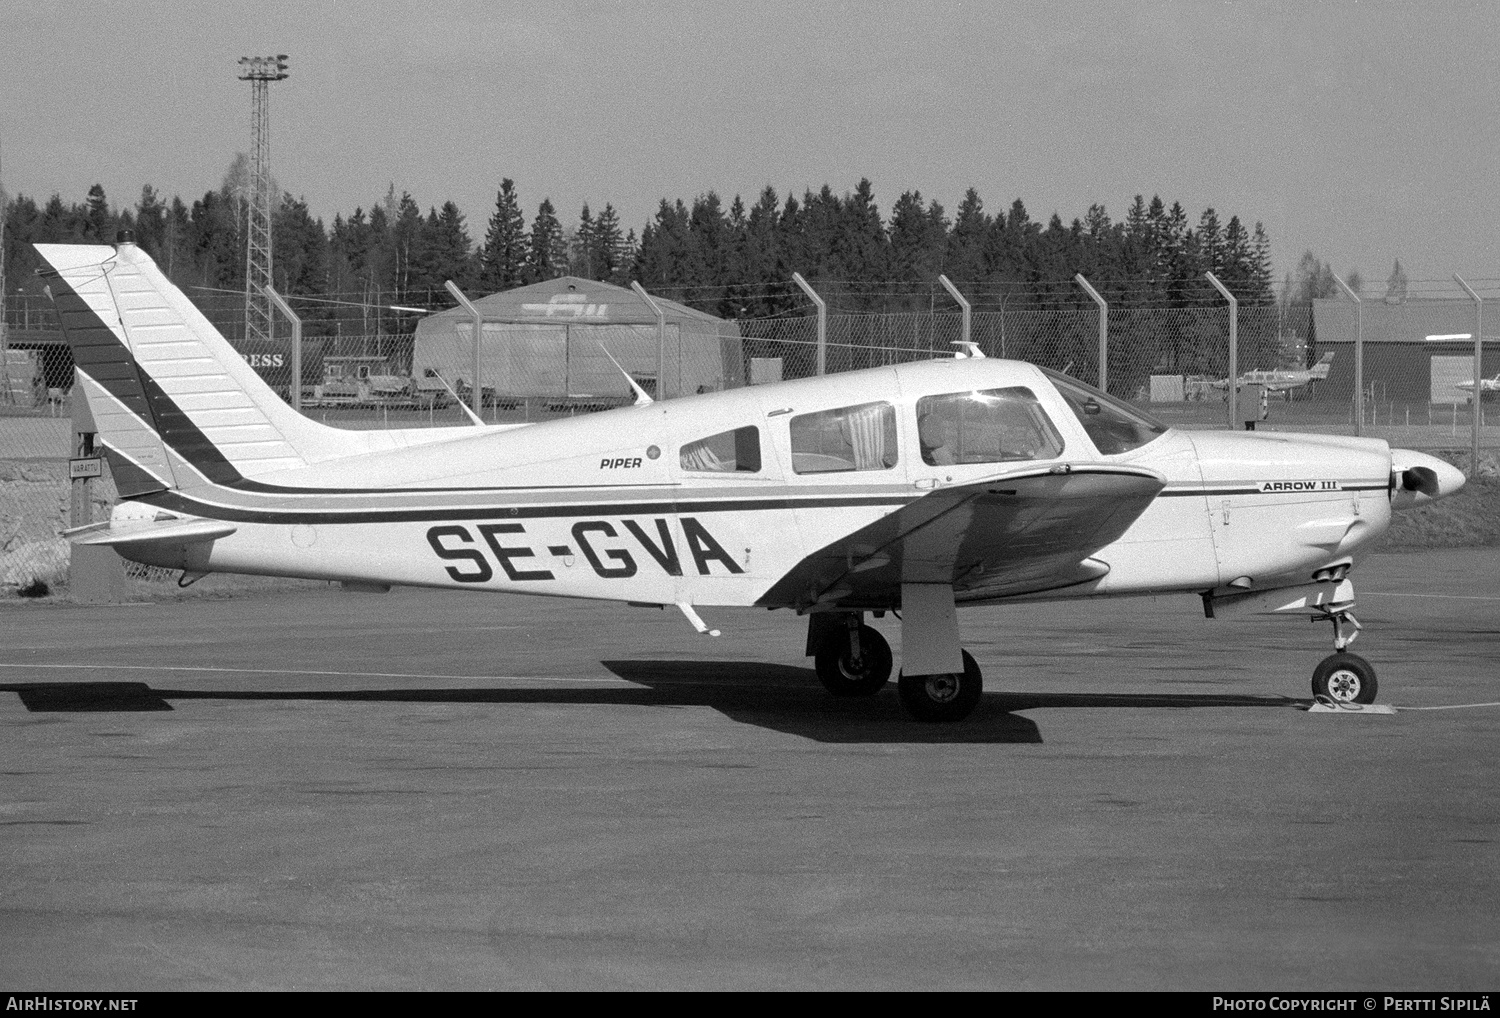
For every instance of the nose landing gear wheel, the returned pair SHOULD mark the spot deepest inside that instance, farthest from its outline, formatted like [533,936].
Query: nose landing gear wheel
[942,697]
[844,675]
[1344,678]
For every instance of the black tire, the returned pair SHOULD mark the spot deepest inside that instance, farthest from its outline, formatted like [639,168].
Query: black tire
[942,697]
[837,672]
[1344,678]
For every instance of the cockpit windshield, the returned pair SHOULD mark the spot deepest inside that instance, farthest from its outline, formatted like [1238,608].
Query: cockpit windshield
[1112,425]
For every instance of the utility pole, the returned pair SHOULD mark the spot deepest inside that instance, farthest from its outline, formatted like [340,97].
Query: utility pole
[260,72]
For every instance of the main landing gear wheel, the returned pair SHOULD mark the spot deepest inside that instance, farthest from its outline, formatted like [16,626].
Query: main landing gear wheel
[854,663]
[942,697]
[1344,678]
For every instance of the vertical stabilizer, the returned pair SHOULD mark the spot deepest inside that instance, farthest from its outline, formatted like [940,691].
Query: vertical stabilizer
[172,398]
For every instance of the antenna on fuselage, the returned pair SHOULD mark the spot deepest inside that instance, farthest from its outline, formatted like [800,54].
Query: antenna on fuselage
[967,348]
[641,399]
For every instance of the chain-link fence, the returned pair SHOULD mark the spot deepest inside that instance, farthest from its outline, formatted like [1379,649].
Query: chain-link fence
[1188,342]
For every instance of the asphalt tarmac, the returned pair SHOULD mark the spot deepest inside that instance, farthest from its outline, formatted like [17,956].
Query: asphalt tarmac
[318,790]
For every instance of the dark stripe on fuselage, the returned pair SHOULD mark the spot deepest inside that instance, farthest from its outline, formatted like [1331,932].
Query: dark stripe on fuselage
[179,502]
[1188,492]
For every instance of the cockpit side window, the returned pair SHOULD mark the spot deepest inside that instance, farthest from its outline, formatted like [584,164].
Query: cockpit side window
[728,452]
[985,426]
[1114,427]
[861,437]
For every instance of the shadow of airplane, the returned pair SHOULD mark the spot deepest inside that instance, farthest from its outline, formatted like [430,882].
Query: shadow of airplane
[776,697]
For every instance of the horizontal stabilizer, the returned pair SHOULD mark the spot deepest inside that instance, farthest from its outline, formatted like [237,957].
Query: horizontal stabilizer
[143,532]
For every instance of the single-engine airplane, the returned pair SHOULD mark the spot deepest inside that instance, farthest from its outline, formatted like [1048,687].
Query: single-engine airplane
[917,488]
[1282,379]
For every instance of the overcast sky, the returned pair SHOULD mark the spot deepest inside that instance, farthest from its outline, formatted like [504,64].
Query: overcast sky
[1365,132]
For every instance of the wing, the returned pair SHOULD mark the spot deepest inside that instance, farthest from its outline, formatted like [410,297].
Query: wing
[1014,534]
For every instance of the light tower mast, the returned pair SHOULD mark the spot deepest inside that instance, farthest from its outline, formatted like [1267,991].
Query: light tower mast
[260,72]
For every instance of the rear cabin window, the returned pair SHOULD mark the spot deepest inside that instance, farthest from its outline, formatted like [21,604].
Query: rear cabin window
[986,426]
[728,452]
[1114,427]
[850,438]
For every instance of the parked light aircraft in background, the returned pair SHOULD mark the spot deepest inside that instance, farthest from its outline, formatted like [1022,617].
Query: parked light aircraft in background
[1485,384]
[917,488]
[1282,379]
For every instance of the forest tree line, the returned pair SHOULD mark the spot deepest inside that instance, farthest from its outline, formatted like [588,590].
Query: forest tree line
[733,261]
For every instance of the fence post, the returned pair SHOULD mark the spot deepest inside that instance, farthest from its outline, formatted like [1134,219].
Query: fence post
[1359,356]
[1478,369]
[968,308]
[1231,384]
[295,389]
[1103,330]
[476,389]
[95,574]
[661,340]
[822,321]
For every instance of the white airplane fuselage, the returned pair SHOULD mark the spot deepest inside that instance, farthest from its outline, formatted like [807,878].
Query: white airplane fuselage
[600,506]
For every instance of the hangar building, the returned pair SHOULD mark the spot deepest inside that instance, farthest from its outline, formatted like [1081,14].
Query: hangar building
[545,340]
[1410,353]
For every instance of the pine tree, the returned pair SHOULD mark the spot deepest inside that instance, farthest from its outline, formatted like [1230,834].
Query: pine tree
[300,248]
[1210,242]
[150,222]
[406,245]
[919,239]
[1237,259]
[1096,221]
[449,248]
[709,250]
[581,246]
[1261,291]
[177,230]
[608,243]
[503,261]
[546,256]
[762,253]
[866,247]
[665,258]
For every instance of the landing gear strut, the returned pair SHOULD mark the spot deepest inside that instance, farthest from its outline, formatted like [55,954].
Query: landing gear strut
[1343,677]
[851,658]
[939,679]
